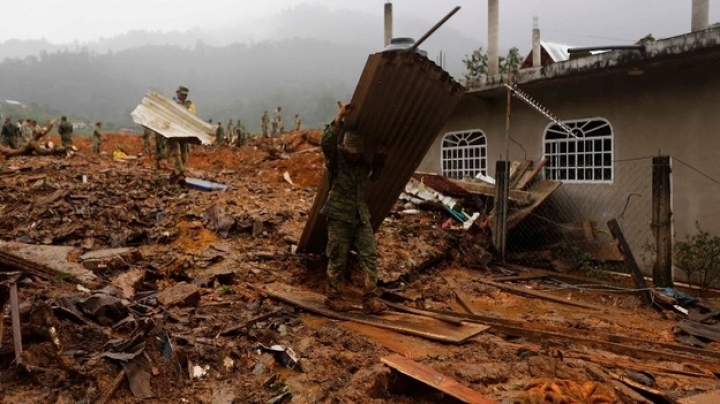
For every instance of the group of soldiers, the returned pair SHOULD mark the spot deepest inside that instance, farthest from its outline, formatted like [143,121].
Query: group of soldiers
[234,134]
[17,135]
[275,127]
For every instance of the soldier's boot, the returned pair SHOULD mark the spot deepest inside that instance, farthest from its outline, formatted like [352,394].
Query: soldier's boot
[372,304]
[335,301]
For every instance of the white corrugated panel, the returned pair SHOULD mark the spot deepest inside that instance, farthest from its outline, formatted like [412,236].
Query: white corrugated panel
[171,120]
[558,52]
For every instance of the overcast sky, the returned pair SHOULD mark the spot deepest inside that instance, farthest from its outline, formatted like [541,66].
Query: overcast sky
[576,22]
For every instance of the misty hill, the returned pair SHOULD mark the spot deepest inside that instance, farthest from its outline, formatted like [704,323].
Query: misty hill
[315,58]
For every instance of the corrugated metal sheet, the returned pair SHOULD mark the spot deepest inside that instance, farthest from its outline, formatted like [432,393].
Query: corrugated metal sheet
[557,51]
[441,184]
[402,101]
[170,119]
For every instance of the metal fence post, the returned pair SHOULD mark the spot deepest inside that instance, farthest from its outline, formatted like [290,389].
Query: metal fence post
[662,221]
[502,184]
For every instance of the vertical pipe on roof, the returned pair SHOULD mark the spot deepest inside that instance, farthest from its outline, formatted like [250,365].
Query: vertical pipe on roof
[493,41]
[535,43]
[700,15]
[388,23]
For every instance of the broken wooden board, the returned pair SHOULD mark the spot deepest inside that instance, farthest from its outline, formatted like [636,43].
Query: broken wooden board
[709,397]
[530,174]
[540,295]
[630,262]
[50,260]
[701,330]
[411,324]
[432,378]
[519,172]
[539,191]
[519,198]
[626,364]
[407,345]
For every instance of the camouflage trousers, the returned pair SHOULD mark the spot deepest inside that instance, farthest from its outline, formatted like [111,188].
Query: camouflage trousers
[9,141]
[97,143]
[159,147]
[342,236]
[178,155]
[265,131]
[146,145]
[66,140]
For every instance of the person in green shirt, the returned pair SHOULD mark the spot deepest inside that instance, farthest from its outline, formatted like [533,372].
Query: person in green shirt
[97,138]
[65,129]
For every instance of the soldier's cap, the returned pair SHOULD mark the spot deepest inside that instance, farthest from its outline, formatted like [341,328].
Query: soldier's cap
[182,90]
[353,142]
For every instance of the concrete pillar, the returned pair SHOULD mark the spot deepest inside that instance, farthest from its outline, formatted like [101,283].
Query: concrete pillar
[536,43]
[493,38]
[700,15]
[388,23]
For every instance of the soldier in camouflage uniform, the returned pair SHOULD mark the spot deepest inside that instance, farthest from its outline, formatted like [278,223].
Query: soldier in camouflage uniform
[178,150]
[97,138]
[147,133]
[220,135]
[347,212]
[264,122]
[8,134]
[65,130]
[298,121]
[160,150]
[230,127]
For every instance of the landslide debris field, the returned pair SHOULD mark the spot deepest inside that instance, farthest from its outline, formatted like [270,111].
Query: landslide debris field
[133,289]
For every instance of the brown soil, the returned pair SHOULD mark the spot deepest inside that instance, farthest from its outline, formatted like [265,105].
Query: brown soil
[181,235]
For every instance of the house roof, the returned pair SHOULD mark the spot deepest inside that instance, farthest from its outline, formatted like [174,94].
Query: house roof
[557,51]
[689,47]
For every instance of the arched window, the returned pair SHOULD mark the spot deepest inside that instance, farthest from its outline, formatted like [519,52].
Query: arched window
[464,154]
[586,157]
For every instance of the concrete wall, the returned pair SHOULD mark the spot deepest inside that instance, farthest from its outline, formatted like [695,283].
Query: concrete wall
[674,110]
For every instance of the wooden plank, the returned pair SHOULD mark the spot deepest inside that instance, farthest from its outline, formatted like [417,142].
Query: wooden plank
[530,175]
[658,396]
[432,378]
[630,262]
[519,173]
[625,364]
[461,298]
[411,324]
[515,278]
[519,198]
[539,192]
[413,310]
[407,345]
[540,295]
[700,330]
[709,397]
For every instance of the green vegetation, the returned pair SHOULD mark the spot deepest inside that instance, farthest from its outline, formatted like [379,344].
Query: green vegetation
[476,64]
[698,257]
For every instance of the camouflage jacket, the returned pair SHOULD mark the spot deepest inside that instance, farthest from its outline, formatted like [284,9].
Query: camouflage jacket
[97,135]
[348,179]
[8,130]
[65,128]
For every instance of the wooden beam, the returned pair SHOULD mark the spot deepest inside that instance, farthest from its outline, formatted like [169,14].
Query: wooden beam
[432,378]
[518,173]
[544,296]
[515,278]
[630,262]
[625,364]
[529,176]
[662,221]
[519,198]
[418,325]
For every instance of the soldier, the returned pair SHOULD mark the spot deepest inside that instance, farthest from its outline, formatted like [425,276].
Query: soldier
[147,133]
[241,134]
[160,149]
[7,134]
[230,127]
[280,124]
[97,138]
[297,122]
[65,129]
[264,123]
[27,131]
[219,135]
[178,150]
[274,123]
[348,217]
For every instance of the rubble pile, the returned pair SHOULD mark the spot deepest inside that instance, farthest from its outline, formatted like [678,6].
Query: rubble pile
[131,288]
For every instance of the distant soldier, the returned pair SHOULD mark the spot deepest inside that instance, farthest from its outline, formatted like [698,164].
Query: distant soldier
[27,131]
[147,133]
[297,122]
[65,130]
[219,135]
[18,132]
[264,121]
[7,135]
[230,127]
[274,123]
[278,124]
[242,135]
[97,138]
[178,150]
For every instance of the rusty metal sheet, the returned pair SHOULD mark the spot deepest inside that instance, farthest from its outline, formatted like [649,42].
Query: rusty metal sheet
[402,101]
[441,184]
[171,120]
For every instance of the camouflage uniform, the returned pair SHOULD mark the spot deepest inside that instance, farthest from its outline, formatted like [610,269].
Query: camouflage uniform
[264,121]
[27,132]
[347,212]
[65,130]
[147,133]
[274,123]
[230,127]
[160,151]
[219,135]
[8,135]
[178,150]
[97,140]
[297,122]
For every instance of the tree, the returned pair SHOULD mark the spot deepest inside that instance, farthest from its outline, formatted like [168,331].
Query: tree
[476,64]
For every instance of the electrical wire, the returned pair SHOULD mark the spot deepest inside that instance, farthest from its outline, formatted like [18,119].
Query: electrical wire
[696,170]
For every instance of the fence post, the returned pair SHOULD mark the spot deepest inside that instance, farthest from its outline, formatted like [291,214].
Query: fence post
[662,221]
[502,184]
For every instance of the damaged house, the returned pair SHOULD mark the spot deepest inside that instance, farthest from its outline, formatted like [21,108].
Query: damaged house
[624,106]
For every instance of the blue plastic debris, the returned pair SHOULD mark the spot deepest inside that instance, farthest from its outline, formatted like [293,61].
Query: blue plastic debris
[682,298]
[205,185]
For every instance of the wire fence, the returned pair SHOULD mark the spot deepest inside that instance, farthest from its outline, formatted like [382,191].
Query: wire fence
[569,230]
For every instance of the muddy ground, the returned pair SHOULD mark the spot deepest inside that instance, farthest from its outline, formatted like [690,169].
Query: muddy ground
[227,246]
